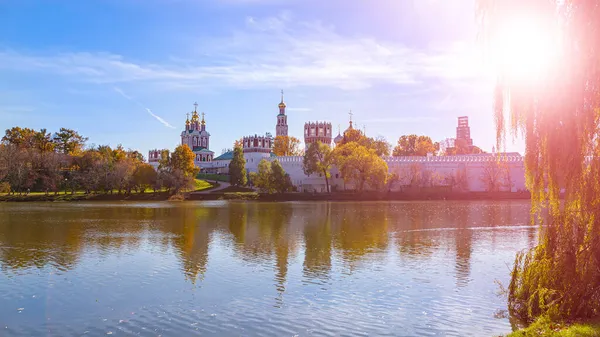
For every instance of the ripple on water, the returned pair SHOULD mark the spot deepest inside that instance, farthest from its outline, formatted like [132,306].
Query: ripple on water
[225,269]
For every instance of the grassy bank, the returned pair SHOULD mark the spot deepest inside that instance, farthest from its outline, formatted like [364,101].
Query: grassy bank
[241,193]
[545,327]
[213,177]
[199,185]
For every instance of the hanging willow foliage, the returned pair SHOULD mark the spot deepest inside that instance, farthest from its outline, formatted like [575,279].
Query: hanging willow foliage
[558,113]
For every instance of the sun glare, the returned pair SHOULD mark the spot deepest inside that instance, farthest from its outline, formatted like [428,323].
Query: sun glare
[525,49]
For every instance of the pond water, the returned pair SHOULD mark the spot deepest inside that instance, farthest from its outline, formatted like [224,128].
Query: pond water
[258,269]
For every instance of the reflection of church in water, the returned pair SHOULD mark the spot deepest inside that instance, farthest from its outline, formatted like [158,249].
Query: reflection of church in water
[260,146]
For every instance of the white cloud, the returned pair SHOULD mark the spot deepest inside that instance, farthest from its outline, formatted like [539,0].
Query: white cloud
[271,52]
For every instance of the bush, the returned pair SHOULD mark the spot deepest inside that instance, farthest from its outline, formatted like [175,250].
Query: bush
[5,187]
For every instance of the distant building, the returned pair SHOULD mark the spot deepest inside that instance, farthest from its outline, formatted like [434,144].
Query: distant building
[197,138]
[282,127]
[463,131]
[317,132]
[154,157]
[467,171]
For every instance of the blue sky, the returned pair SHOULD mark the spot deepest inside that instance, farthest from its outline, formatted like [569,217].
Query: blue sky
[401,66]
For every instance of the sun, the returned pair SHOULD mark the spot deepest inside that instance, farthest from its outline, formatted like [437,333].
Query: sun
[525,48]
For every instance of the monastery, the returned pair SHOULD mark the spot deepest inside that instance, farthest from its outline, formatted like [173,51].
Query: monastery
[471,172]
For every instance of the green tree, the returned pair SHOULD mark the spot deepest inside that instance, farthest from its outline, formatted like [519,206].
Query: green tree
[69,142]
[262,178]
[318,159]
[280,181]
[237,167]
[557,111]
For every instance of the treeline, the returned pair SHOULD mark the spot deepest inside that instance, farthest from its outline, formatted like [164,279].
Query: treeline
[269,178]
[357,157]
[407,145]
[40,161]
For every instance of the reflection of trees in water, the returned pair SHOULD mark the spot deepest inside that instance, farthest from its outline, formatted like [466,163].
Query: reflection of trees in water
[260,233]
[191,228]
[359,229]
[317,242]
[36,240]
[56,236]
[412,222]
[463,240]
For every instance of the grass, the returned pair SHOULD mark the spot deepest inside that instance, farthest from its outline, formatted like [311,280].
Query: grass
[545,327]
[201,185]
[216,177]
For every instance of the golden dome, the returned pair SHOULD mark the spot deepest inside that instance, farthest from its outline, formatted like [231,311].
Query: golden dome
[282,104]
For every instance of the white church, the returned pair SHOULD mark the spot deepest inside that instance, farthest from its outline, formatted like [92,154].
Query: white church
[475,170]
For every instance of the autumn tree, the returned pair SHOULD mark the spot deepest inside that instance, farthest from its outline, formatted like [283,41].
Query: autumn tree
[360,165]
[20,137]
[413,145]
[69,141]
[318,159]
[494,174]
[461,147]
[237,168]
[286,146]
[556,109]
[182,168]
[379,144]
[144,177]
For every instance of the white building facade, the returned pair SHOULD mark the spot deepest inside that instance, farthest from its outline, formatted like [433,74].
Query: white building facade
[475,173]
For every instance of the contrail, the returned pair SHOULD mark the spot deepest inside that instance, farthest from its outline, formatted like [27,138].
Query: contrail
[158,118]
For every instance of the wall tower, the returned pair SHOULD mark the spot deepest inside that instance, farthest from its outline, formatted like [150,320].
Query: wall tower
[282,127]
[317,132]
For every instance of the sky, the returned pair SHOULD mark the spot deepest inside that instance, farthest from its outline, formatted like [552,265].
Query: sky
[127,71]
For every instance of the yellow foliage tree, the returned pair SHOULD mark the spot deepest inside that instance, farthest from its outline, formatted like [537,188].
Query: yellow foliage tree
[360,165]
[286,146]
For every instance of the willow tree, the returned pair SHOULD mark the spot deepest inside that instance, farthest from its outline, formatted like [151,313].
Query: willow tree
[548,90]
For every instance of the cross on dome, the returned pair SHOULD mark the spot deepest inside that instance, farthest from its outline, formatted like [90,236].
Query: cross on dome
[195,106]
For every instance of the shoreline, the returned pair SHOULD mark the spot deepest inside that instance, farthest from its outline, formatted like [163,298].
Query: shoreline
[284,197]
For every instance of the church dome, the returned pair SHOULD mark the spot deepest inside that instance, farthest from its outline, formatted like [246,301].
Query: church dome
[349,128]
[338,139]
[282,105]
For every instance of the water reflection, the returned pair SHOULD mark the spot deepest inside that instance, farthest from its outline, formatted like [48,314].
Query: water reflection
[57,236]
[326,243]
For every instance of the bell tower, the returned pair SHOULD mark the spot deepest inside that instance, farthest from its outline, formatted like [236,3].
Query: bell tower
[282,127]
